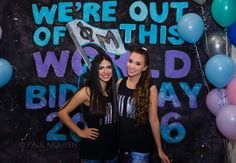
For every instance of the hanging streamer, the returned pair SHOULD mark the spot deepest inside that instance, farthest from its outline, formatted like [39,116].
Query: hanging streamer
[206,27]
[201,68]
[226,42]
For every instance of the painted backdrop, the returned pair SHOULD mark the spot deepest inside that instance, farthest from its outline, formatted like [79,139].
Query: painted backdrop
[40,39]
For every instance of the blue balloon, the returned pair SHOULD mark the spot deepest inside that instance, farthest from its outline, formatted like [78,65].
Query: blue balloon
[232,33]
[190,27]
[220,70]
[5,72]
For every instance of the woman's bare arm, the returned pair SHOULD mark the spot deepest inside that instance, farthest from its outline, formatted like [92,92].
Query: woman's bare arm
[82,96]
[155,124]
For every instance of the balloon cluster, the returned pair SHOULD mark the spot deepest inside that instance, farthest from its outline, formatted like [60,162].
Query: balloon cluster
[220,69]
[222,104]
[5,69]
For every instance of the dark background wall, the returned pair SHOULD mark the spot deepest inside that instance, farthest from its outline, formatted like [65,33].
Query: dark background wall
[30,134]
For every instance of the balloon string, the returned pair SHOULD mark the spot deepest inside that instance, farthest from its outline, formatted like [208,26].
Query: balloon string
[206,27]
[226,147]
[221,97]
[232,145]
[226,142]
[226,42]
[201,68]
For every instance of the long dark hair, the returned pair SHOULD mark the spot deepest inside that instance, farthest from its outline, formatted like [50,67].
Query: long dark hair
[142,91]
[98,102]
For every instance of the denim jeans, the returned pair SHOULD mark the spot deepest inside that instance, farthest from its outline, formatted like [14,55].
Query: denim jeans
[133,157]
[113,160]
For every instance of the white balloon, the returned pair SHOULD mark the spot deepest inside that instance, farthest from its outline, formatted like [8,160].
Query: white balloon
[200,2]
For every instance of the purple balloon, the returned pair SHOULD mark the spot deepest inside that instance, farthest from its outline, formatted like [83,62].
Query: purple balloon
[226,121]
[216,99]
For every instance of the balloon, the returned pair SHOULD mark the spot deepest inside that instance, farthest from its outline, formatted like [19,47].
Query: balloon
[216,44]
[231,91]
[226,121]
[220,70]
[190,27]
[200,2]
[232,33]
[216,99]
[223,12]
[5,72]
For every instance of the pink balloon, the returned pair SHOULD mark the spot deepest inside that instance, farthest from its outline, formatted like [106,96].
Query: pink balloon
[226,121]
[231,91]
[216,99]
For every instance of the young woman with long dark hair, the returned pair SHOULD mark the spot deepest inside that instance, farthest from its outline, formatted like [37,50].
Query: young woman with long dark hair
[99,139]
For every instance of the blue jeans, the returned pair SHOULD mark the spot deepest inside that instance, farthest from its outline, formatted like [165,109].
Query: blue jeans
[134,157]
[113,160]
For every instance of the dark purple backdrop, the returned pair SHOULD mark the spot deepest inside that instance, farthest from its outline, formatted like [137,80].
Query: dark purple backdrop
[23,131]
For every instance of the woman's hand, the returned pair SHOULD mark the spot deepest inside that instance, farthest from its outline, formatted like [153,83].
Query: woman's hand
[89,133]
[164,158]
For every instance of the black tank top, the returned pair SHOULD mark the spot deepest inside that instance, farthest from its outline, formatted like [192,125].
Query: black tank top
[132,136]
[106,145]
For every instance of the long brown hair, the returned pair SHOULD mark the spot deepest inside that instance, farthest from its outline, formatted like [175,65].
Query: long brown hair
[142,91]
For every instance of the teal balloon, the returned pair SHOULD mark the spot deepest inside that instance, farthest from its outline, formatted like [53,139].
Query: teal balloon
[220,70]
[190,27]
[6,72]
[224,12]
